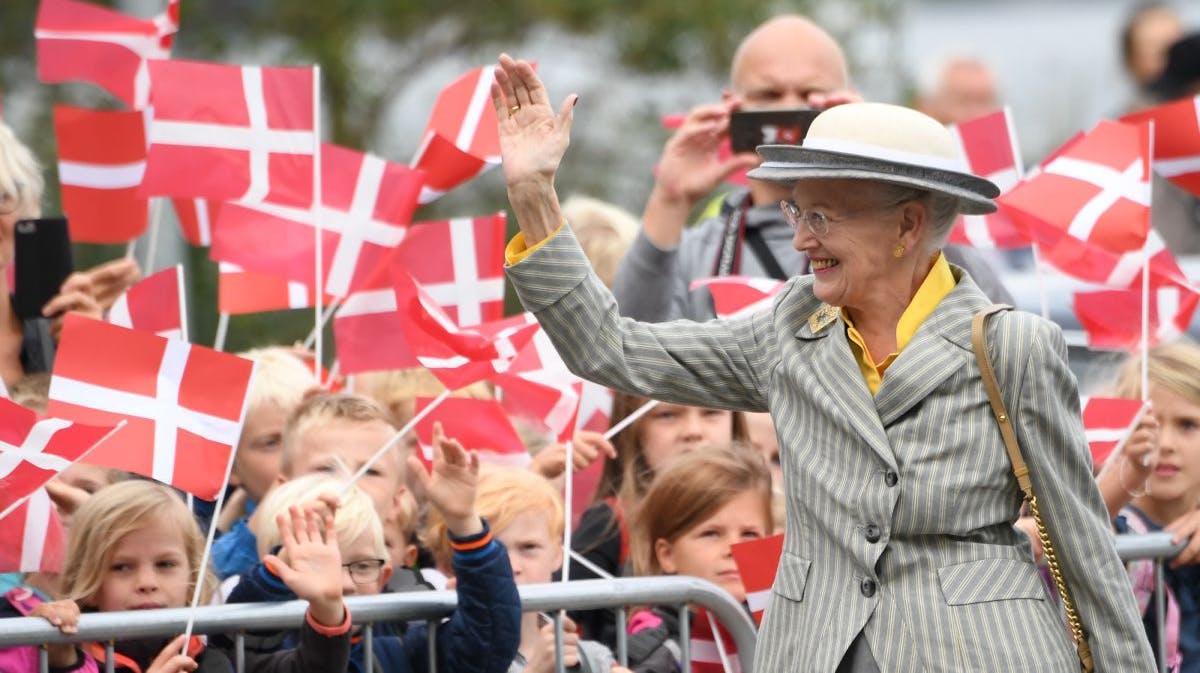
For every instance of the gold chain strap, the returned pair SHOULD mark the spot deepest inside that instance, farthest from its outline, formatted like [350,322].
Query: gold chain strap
[1073,621]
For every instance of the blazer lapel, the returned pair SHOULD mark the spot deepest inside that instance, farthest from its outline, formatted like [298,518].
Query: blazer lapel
[834,368]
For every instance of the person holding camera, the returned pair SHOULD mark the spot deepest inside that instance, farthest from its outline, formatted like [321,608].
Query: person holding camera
[786,63]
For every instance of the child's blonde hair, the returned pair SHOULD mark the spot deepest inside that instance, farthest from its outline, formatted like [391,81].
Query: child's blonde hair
[689,491]
[503,494]
[323,408]
[355,513]
[112,513]
[1174,366]
[281,378]
[20,176]
[605,232]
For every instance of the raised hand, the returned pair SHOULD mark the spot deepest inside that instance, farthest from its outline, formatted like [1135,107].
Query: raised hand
[313,570]
[690,167]
[588,446]
[451,486]
[533,138]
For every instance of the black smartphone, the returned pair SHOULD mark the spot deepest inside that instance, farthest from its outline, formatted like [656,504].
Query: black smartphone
[43,260]
[750,128]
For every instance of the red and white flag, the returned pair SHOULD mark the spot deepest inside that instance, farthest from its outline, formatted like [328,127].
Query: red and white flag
[155,305]
[1097,190]
[80,41]
[713,649]
[34,539]
[1113,318]
[185,404]
[989,144]
[538,387]
[758,561]
[240,291]
[34,451]
[101,160]
[1176,141]
[196,219]
[462,139]
[740,295]
[460,263]
[595,407]
[231,133]
[1094,264]
[480,425]
[1108,423]
[366,206]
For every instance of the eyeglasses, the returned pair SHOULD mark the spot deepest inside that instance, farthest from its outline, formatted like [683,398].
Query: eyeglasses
[818,222]
[365,572]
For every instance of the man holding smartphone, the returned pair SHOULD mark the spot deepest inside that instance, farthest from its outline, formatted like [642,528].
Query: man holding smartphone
[787,63]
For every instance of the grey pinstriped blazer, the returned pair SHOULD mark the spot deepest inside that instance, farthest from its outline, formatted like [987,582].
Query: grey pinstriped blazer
[900,505]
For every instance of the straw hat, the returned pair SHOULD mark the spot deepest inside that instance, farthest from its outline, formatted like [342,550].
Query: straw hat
[887,143]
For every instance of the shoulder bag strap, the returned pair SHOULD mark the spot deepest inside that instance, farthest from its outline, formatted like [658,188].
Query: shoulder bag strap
[763,253]
[1021,472]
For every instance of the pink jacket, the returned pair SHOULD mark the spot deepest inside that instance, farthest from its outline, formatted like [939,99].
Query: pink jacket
[24,659]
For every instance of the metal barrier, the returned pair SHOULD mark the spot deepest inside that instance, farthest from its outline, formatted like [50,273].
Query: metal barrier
[436,605]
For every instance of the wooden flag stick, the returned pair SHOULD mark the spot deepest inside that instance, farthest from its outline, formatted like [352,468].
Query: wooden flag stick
[316,211]
[628,420]
[222,330]
[183,314]
[156,209]
[417,418]
[321,322]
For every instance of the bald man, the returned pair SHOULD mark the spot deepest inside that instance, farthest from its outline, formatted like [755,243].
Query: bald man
[787,62]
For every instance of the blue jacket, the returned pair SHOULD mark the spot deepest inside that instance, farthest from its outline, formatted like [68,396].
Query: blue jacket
[235,552]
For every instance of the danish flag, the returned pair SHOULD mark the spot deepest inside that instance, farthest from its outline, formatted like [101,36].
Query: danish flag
[479,425]
[538,386]
[33,451]
[101,159]
[231,133]
[758,561]
[184,404]
[155,305]
[34,540]
[460,263]
[989,144]
[1097,190]
[82,41]
[1113,318]
[462,139]
[595,407]
[713,649]
[1176,141]
[196,218]
[1092,263]
[240,291]
[739,295]
[1108,423]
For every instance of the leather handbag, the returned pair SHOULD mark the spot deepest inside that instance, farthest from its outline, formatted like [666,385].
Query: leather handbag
[1021,472]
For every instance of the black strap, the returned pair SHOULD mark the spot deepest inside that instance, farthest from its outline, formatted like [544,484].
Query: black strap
[763,253]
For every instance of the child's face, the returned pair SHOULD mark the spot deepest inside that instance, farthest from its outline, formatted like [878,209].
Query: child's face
[256,463]
[323,444]
[533,552]
[1178,473]
[670,429]
[149,568]
[761,431]
[706,550]
[367,573]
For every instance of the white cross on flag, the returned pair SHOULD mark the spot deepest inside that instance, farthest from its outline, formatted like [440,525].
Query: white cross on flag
[479,425]
[86,42]
[196,219]
[1176,141]
[1113,318]
[184,404]
[33,451]
[1096,190]
[231,133]
[154,304]
[739,295]
[240,291]
[1094,264]
[101,159]
[989,144]
[757,562]
[462,139]
[1108,423]
[707,656]
[366,205]
[33,535]
[460,263]
[538,386]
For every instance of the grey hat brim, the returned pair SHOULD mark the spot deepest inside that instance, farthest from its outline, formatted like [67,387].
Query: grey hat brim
[789,163]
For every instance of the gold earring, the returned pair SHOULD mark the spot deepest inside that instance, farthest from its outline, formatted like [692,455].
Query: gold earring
[898,251]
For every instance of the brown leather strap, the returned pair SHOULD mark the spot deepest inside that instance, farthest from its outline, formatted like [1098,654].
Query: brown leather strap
[1021,472]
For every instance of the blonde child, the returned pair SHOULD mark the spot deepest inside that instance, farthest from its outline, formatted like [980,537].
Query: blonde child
[1165,492]
[696,510]
[133,546]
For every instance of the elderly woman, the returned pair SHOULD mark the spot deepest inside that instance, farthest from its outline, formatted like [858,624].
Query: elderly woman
[900,554]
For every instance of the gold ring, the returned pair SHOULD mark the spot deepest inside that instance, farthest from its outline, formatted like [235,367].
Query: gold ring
[512,109]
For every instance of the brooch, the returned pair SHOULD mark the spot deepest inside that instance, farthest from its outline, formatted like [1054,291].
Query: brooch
[822,318]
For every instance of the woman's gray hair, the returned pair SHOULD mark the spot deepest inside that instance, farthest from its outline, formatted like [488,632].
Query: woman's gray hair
[943,209]
[20,175]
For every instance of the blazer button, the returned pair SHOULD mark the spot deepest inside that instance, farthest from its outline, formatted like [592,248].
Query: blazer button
[891,478]
[872,533]
[867,587]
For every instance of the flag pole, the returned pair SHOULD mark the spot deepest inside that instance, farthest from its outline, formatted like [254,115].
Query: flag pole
[321,322]
[628,420]
[720,642]
[222,330]
[417,418]
[568,493]
[183,314]
[316,211]
[1145,373]
[156,208]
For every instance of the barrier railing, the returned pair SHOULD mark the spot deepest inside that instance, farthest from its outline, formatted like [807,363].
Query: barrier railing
[435,605]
